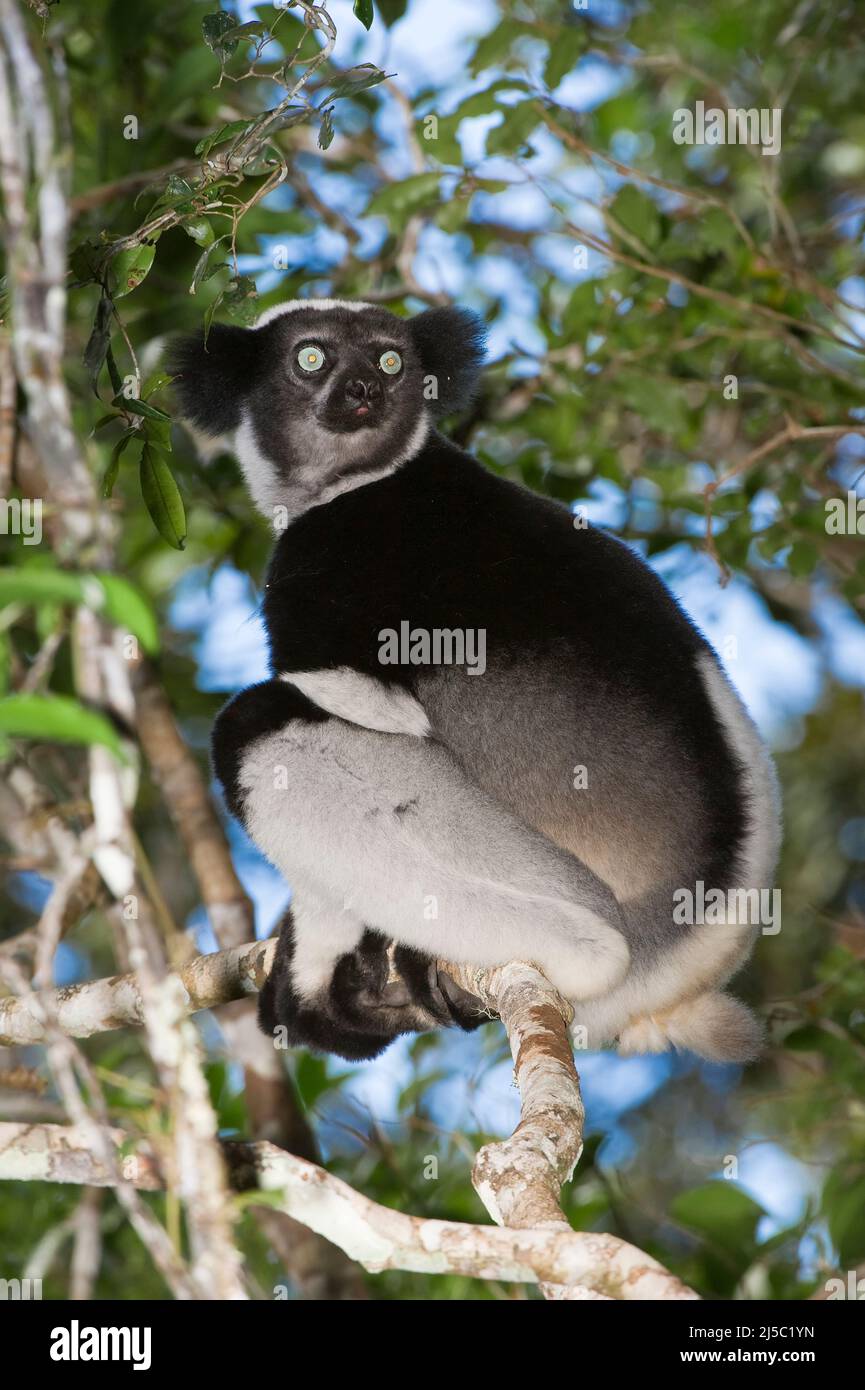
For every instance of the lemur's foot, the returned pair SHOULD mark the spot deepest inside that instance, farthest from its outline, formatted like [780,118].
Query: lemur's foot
[435,991]
[361,1010]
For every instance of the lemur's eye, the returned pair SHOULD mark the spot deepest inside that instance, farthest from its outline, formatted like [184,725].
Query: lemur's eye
[390,362]
[310,358]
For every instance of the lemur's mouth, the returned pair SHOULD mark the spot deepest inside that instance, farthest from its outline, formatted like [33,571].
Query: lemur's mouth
[350,418]
[360,417]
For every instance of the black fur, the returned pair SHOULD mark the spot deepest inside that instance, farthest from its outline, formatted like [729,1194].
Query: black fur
[442,543]
[451,343]
[422,545]
[213,376]
[235,366]
[364,562]
[436,992]
[258,710]
[359,1014]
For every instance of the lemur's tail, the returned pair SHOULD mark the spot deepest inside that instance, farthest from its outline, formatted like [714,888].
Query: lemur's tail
[714,1025]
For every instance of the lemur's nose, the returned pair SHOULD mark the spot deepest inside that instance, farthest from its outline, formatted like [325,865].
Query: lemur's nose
[363,391]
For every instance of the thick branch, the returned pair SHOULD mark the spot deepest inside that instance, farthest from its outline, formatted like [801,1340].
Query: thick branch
[519,1179]
[378,1237]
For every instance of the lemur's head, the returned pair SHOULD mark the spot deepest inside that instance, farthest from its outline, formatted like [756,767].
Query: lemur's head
[323,395]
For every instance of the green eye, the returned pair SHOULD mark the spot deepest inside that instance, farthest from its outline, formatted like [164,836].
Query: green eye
[390,362]
[310,358]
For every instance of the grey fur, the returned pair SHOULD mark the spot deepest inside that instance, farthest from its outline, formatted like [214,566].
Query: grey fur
[443,813]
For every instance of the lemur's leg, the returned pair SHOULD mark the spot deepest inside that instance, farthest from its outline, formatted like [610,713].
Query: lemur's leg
[330,987]
[410,846]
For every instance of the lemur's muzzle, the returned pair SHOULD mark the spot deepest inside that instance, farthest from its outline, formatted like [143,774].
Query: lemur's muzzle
[363,396]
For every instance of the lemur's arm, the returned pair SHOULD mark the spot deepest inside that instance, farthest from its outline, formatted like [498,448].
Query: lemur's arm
[363,700]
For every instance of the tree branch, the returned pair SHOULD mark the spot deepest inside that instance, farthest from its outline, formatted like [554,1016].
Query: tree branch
[519,1179]
[376,1236]
[97,1006]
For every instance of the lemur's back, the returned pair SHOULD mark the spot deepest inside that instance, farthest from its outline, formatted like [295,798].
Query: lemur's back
[569,722]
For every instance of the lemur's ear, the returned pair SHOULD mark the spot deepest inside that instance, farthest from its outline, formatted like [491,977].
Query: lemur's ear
[212,378]
[451,343]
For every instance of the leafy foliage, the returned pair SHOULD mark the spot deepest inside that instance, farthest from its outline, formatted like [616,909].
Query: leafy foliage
[679,309]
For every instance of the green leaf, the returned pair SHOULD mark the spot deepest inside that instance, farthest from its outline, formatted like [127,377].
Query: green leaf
[313,1078]
[485,102]
[567,47]
[392,10]
[203,267]
[109,477]
[158,432]
[512,135]
[136,406]
[201,231]
[108,593]
[494,47]
[129,268]
[637,214]
[221,134]
[844,1208]
[129,609]
[581,312]
[178,187]
[364,11]
[86,263]
[358,79]
[162,496]
[209,313]
[29,584]
[326,131]
[451,216]
[253,28]
[241,300]
[720,1211]
[214,28]
[406,196]
[98,342]
[179,194]
[803,559]
[59,719]
[113,373]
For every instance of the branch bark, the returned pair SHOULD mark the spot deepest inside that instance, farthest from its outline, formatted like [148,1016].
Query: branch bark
[519,1180]
[97,1006]
[376,1236]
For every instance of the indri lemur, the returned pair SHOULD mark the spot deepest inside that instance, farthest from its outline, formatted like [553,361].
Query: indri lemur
[436,806]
